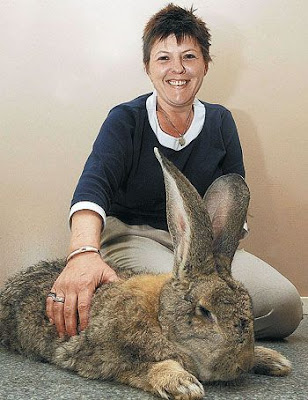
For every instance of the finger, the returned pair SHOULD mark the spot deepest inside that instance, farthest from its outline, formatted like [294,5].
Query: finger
[109,275]
[113,277]
[49,307]
[70,315]
[58,312]
[84,302]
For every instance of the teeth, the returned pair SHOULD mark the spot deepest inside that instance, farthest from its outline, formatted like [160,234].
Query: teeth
[177,83]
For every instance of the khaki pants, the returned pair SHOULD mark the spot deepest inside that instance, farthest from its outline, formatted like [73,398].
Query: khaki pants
[276,303]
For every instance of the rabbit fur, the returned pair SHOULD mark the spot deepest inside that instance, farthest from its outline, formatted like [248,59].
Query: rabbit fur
[162,333]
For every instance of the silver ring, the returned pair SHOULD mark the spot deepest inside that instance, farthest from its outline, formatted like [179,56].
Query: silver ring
[52,295]
[59,299]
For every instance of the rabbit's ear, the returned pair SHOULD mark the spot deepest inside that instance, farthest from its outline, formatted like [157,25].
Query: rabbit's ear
[189,224]
[227,202]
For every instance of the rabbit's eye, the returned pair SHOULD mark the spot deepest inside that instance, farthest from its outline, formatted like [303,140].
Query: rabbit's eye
[204,312]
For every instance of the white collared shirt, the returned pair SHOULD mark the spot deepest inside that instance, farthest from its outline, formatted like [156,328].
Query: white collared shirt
[168,140]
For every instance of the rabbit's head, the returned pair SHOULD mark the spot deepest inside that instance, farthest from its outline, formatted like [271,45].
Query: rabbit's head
[202,308]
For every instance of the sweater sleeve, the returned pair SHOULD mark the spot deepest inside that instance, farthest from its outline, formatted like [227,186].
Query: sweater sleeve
[233,160]
[109,162]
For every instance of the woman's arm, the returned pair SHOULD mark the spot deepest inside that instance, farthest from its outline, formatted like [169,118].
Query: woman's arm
[105,170]
[82,275]
[233,160]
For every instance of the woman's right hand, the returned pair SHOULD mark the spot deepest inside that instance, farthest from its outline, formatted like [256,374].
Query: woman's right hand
[77,283]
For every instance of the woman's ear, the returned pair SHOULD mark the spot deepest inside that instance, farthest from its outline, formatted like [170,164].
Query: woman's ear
[206,68]
[146,68]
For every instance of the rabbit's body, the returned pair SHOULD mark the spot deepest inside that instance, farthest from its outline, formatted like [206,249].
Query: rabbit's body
[162,333]
[133,311]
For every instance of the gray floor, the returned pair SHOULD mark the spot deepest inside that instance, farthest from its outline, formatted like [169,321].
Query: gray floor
[22,379]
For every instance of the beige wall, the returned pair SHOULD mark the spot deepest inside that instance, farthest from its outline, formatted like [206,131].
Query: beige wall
[65,63]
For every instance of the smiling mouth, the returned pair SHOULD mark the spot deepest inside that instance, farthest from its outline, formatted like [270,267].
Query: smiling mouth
[176,83]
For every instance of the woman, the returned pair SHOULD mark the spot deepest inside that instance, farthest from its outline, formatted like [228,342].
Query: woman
[122,179]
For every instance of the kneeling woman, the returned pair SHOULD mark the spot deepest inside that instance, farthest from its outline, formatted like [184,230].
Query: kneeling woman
[121,190]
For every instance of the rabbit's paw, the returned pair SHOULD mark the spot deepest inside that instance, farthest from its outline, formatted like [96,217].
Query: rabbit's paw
[270,362]
[170,381]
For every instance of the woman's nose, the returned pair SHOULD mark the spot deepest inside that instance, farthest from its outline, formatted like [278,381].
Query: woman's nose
[178,66]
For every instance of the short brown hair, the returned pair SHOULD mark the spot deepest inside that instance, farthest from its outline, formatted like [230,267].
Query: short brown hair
[178,21]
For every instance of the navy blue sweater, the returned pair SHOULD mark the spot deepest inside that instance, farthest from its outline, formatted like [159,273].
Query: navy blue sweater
[123,176]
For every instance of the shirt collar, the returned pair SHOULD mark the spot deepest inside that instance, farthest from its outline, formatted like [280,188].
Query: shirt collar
[170,141]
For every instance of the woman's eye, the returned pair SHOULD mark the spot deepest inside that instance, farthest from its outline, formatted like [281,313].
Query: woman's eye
[163,58]
[189,56]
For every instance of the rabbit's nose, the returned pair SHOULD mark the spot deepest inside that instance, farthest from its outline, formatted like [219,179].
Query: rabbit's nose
[241,328]
[241,325]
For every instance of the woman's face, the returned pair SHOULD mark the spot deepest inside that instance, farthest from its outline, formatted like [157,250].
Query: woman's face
[176,71]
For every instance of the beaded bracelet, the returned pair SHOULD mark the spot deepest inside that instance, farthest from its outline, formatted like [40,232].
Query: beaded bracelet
[83,249]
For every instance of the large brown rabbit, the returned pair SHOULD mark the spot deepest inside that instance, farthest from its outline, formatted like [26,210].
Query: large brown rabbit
[161,333]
